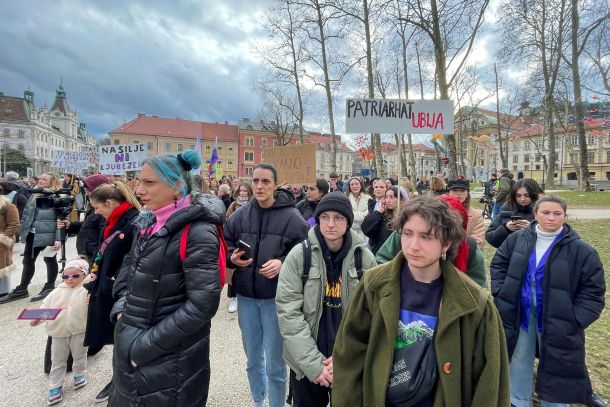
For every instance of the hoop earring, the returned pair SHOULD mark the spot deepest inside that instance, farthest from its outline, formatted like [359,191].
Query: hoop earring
[444,256]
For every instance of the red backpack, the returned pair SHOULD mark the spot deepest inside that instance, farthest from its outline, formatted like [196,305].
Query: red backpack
[222,252]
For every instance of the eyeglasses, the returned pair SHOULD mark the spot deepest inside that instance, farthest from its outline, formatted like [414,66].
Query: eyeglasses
[71,276]
[335,219]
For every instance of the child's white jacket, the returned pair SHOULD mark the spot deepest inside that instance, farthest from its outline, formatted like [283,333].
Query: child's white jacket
[72,320]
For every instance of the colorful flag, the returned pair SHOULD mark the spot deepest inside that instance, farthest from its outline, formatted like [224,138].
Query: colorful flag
[213,160]
[197,171]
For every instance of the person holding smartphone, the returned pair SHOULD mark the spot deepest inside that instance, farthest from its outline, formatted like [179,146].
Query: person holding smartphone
[516,214]
[271,225]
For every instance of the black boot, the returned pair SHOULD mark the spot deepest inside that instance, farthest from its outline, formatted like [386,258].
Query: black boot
[42,295]
[595,401]
[14,295]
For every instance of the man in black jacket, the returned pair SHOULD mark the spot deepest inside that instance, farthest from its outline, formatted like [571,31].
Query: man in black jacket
[270,225]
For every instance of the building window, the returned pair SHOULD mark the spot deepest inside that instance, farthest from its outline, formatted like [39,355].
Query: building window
[207,149]
[249,171]
[116,141]
[21,148]
[180,148]
[168,147]
[6,133]
[192,147]
[537,158]
[249,141]
[608,156]
[219,150]
[591,157]
[248,156]
[526,144]
[526,158]
[515,158]
[149,145]
[21,134]
[136,142]
[230,150]
[230,165]
[264,143]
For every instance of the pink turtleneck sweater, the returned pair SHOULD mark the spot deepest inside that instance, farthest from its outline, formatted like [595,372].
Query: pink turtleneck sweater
[163,214]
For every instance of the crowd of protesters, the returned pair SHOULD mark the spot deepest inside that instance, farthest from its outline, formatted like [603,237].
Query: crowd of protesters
[381,281]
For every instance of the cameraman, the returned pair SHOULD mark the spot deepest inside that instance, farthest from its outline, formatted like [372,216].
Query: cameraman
[40,228]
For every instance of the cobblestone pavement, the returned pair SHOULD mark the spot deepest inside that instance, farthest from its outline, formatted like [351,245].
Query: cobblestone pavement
[21,361]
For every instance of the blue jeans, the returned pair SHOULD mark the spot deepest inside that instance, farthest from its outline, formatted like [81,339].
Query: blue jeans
[496,210]
[260,334]
[522,366]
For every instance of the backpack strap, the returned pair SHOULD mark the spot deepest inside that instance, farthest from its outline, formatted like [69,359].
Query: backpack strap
[222,250]
[358,261]
[306,260]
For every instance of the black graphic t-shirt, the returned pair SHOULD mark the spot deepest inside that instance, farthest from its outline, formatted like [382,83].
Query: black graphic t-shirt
[419,308]
[331,311]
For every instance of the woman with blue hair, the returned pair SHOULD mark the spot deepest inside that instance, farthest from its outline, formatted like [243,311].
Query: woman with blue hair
[169,288]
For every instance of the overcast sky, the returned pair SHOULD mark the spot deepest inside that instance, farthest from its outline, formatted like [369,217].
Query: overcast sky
[117,58]
[182,58]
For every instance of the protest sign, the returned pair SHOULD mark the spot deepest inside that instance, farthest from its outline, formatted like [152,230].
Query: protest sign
[120,158]
[399,116]
[70,162]
[295,163]
[91,154]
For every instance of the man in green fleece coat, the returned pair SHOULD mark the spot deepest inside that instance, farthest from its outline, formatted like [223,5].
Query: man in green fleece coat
[418,320]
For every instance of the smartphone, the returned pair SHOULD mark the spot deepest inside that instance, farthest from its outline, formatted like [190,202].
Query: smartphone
[244,247]
[515,218]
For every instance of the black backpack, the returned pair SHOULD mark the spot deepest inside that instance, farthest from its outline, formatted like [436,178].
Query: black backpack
[307,260]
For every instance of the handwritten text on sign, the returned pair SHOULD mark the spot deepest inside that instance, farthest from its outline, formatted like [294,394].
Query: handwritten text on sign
[295,163]
[117,159]
[399,116]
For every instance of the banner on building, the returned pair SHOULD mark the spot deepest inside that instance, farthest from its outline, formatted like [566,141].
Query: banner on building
[399,116]
[295,163]
[120,158]
[70,162]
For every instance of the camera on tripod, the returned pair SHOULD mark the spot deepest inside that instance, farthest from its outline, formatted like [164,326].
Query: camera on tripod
[59,200]
[486,200]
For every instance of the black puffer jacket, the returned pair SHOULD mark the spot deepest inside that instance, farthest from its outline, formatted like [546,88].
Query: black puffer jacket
[573,298]
[307,209]
[167,307]
[497,232]
[88,233]
[100,328]
[271,233]
[375,227]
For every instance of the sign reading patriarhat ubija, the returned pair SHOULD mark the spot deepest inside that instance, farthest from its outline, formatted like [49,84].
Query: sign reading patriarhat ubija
[399,116]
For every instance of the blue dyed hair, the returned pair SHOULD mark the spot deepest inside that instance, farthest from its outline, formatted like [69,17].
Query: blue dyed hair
[171,169]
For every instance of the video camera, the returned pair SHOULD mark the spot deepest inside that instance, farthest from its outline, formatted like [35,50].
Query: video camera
[486,200]
[59,200]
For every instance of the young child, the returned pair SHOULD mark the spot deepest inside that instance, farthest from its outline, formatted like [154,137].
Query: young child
[68,329]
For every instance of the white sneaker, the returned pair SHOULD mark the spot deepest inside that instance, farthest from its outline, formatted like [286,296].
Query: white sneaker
[233,305]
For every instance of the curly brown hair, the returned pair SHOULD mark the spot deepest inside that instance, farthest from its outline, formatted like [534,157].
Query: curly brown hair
[443,222]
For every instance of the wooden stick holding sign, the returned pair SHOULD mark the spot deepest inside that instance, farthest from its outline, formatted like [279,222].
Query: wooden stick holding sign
[295,163]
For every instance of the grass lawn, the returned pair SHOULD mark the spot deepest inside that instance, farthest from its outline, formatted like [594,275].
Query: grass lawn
[575,199]
[594,232]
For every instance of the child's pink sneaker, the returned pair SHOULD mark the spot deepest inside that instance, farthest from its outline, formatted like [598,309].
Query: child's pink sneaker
[79,381]
[55,396]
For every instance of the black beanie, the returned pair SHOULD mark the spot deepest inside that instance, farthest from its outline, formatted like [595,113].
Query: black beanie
[338,202]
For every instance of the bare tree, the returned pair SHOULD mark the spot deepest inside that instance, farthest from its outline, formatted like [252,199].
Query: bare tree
[452,27]
[597,50]
[278,113]
[534,32]
[578,40]
[283,52]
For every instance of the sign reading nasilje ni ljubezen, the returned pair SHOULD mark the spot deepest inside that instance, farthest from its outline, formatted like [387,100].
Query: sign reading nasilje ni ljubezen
[399,116]
[120,158]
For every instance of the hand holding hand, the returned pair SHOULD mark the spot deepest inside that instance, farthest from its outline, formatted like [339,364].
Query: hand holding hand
[326,377]
[236,259]
[63,224]
[271,268]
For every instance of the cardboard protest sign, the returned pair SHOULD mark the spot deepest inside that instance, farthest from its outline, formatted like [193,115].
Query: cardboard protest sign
[295,163]
[399,116]
[120,158]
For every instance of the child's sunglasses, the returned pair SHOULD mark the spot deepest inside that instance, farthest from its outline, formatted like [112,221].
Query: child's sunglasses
[71,276]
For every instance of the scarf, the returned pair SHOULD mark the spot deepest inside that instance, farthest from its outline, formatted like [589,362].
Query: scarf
[241,202]
[161,215]
[114,217]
